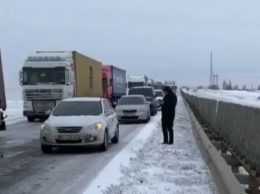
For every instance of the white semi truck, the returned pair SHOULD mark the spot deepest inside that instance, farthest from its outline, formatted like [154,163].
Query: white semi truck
[136,81]
[47,77]
[151,82]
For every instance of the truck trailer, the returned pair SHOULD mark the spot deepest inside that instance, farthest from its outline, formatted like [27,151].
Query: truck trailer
[113,83]
[47,77]
[2,97]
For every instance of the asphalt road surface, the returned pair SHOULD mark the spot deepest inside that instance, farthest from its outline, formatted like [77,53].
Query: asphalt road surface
[25,170]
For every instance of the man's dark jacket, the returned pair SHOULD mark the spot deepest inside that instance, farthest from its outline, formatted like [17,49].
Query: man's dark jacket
[169,105]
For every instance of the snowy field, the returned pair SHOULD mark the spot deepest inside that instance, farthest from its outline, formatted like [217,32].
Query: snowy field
[238,97]
[147,167]
[14,105]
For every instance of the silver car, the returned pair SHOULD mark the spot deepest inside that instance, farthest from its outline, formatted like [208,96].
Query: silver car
[133,108]
[80,122]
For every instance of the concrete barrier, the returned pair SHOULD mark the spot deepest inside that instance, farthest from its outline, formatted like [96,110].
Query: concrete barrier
[222,174]
[235,123]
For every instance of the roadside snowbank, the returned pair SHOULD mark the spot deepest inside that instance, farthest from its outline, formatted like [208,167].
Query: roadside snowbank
[238,97]
[146,166]
[112,173]
[14,111]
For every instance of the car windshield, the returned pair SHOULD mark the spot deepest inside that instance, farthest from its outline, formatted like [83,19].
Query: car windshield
[135,84]
[159,93]
[147,92]
[131,101]
[78,108]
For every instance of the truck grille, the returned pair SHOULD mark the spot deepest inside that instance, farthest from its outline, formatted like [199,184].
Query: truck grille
[69,129]
[43,106]
[43,94]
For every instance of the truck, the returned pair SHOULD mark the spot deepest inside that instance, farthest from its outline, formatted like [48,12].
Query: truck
[47,77]
[151,82]
[2,97]
[171,84]
[136,81]
[113,83]
[158,85]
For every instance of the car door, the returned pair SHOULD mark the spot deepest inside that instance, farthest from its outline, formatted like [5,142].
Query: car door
[108,118]
[114,116]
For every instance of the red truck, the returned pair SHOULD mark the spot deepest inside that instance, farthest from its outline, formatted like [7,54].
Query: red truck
[113,82]
[2,97]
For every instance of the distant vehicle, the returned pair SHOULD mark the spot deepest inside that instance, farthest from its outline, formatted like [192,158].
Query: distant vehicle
[2,97]
[151,82]
[159,98]
[136,81]
[114,83]
[47,77]
[133,108]
[80,122]
[148,93]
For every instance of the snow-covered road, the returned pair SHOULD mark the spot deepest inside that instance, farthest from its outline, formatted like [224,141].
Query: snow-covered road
[25,170]
[158,169]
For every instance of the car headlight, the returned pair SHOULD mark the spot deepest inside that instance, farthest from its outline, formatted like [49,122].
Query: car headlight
[96,127]
[45,127]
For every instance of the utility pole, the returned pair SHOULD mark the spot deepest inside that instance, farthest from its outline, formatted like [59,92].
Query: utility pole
[211,78]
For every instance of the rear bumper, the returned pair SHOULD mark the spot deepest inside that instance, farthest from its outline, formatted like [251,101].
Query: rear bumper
[135,117]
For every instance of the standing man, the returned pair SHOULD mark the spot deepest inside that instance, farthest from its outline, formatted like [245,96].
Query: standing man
[168,115]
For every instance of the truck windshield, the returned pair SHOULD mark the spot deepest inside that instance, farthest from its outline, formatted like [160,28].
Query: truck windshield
[78,108]
[34,76]
[135,84]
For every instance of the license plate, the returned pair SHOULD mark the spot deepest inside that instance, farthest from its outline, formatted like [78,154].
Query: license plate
[129,114]
[68,137]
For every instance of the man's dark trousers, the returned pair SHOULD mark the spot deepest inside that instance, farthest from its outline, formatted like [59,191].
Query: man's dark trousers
[167,127]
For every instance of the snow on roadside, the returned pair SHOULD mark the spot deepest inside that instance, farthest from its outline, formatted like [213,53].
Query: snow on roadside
[156,168]
[238,97]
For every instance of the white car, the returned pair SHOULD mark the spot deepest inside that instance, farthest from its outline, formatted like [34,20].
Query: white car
[159,98]
[133,108]
[80,122]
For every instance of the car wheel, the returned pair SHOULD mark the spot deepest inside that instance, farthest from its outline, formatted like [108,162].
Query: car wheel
[30,119]
[115,139]
[46,149]
[105,142]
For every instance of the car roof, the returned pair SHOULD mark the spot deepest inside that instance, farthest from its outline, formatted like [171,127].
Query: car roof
[93,99]
[131,96]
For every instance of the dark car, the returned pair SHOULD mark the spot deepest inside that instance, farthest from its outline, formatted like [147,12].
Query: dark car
[148,93]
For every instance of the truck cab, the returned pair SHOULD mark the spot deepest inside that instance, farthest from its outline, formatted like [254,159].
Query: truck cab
[46,79]
[136,81]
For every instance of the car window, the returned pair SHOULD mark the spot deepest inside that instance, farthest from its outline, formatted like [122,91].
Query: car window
[105,107]
[131,100]
[78,108]
[109,105]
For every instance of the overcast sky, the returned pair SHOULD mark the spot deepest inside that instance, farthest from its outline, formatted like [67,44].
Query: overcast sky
[165,40]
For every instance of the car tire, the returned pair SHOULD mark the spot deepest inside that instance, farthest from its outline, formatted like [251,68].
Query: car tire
[46,149]
[104,145]
[115,139]
[30,118]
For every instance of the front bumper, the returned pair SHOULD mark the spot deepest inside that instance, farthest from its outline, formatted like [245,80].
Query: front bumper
[133,117]
[94,138]
[34,114]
